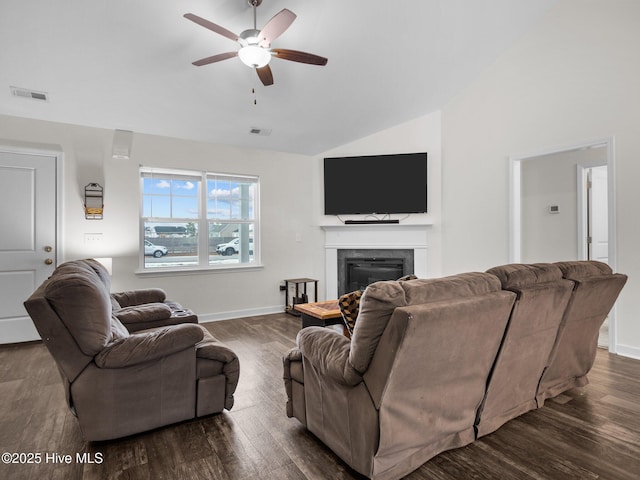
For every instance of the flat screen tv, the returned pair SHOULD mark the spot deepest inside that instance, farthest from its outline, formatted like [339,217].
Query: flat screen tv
[375,184]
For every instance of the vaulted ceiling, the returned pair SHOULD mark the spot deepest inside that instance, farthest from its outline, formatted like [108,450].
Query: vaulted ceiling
[123,64]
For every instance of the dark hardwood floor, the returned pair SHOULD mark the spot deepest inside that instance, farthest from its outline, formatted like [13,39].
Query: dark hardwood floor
[587,433]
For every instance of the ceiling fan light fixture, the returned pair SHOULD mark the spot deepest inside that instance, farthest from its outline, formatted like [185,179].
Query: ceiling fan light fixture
[256,51]
[254,56]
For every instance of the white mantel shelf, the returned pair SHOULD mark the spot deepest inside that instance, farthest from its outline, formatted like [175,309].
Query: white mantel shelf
[371,236]
[329,226]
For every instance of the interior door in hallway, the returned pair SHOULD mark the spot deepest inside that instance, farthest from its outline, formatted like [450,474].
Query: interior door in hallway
[27,236]
[598,214]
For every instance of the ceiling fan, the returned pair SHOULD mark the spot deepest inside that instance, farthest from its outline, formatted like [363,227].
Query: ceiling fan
[255,50]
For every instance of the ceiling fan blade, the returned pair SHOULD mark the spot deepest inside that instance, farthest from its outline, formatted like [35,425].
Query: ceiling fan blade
[211,26]
[266,77]
[297,56]
[276,26]
[215,58]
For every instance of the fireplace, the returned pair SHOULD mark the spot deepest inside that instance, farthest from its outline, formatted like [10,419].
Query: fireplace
[406,241]
[358,268]
[361,273]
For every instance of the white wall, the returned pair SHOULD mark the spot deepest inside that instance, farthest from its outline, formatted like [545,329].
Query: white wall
[549,237]
[553,180]
[287,213]
[420,135]
[574,78]
[291,206]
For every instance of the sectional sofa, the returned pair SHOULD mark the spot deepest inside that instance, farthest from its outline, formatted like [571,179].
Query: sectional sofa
[434,364]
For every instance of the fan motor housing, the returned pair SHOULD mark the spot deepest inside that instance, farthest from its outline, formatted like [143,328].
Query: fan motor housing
[249,37]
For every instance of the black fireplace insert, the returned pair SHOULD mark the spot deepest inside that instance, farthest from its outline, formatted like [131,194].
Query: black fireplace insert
[364,271]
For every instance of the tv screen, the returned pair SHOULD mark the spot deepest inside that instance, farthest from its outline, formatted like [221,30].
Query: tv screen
[376,184]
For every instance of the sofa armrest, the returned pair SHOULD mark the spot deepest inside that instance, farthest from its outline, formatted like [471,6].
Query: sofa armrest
[328,353]
[291,363]
[292,356]
[140,296]
[137,314]
[144,347]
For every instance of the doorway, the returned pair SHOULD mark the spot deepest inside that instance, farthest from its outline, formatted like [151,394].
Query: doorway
[595,234]
[553,217]
[28,244]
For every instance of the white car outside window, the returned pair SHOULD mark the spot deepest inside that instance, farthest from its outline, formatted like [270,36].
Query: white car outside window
[155,250]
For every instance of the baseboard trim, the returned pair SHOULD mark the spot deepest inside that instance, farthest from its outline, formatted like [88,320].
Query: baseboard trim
[249,312]
[628,351]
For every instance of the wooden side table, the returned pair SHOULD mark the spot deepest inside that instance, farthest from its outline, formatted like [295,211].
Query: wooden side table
[319,314]
[297,282]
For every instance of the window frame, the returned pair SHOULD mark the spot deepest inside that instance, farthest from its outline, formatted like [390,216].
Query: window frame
[202,222]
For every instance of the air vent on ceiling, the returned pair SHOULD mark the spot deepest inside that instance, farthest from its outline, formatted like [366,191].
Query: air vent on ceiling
[32,94]
[265,132]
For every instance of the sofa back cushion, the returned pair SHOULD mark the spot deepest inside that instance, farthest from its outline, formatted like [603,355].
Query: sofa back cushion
[429,373]
[380,299]
[518,275]
[447,288]
[78,291]
[543,296]
[377,304]
[580,269]
[595,292]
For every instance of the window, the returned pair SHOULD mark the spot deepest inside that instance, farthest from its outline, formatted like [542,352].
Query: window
[198,219]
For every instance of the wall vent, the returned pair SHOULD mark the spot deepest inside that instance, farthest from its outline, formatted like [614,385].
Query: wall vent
[265,132]
[32,94]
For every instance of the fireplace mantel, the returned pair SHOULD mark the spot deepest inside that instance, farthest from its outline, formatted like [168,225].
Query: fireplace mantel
[372,236]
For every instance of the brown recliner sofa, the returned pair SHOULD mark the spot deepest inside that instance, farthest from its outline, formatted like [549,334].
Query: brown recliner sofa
[550,343]
[120,383]
[542,299]
[408,384]
[434,364]
[595,291]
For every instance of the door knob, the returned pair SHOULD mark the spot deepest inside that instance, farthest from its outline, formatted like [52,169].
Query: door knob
[48,261]
[48,248]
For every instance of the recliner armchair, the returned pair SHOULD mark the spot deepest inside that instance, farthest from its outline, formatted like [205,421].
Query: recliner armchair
[120,383]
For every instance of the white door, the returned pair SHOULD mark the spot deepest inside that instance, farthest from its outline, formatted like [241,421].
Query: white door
[598,215]
[27,237]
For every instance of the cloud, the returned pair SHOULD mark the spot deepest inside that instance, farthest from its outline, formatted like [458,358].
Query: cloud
[219,192]
[188,186]
[163,184]
[228,193]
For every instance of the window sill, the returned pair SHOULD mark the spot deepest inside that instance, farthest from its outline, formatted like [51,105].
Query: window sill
[167,271]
